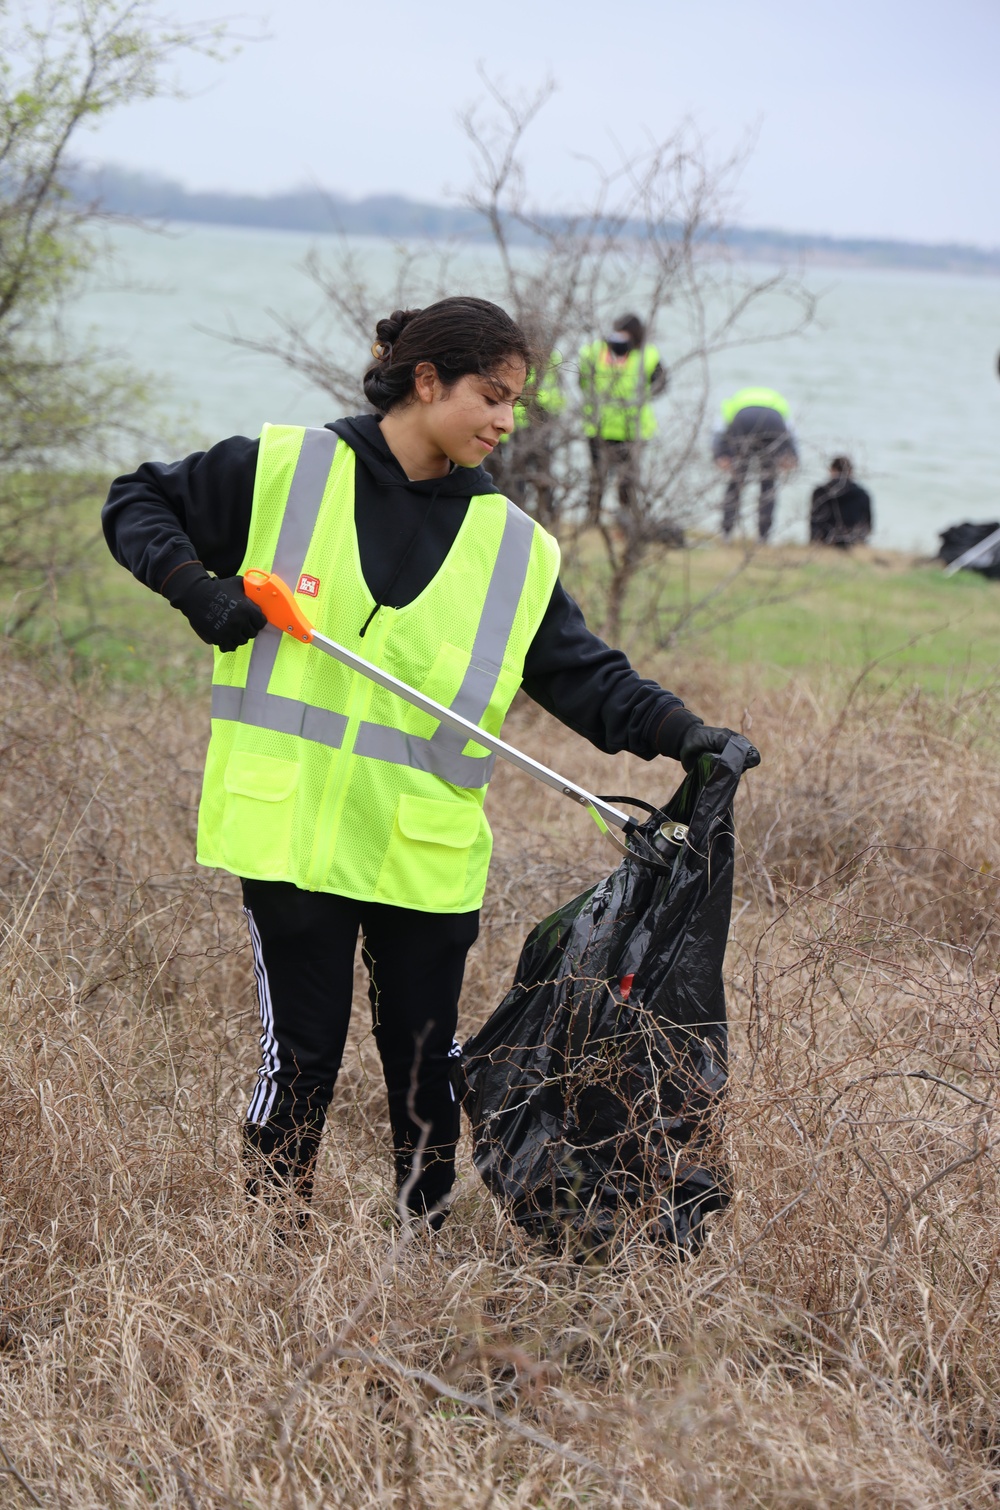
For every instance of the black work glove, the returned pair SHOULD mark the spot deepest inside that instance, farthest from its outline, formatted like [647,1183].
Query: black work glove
[702,740]
[219,611]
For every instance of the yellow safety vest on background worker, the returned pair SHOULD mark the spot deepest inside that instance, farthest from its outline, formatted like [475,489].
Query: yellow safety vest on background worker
[548,396]
[615,406]
[755,398]
[314,774]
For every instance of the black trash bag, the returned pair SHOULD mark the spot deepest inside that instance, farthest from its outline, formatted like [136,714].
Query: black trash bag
[593,1089]
[959,538]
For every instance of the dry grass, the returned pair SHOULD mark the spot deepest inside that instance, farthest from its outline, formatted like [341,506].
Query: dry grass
[833,1346]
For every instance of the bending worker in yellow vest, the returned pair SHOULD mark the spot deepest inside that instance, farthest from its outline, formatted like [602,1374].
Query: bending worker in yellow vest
[755,429]
[340,807]
[618,377]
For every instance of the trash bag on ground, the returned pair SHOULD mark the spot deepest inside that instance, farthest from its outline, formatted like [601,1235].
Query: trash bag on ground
[594,1088]
[959,538]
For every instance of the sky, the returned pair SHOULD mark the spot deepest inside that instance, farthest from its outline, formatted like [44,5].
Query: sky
[860,118]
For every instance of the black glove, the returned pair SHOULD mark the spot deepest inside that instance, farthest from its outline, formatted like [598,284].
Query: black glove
[219,611]
[702,740]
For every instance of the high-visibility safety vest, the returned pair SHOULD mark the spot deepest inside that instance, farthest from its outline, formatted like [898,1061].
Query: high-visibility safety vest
[615,403]
[547,396]
[314,774]
[754,398]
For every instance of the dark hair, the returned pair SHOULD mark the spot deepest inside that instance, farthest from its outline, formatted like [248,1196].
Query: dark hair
[633,328]
[842,466]
[458,336]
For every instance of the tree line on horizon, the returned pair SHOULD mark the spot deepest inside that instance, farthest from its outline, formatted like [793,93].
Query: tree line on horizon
[146,195]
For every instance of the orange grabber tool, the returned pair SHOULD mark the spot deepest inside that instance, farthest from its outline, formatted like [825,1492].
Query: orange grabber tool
[277,602]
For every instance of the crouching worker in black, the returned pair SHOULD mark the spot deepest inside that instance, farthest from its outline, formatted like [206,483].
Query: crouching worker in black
[841,511]
[342,809]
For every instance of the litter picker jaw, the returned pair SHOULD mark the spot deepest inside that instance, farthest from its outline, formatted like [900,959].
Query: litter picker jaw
[277,602]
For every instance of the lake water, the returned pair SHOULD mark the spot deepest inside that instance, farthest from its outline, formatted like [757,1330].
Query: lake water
[898,370]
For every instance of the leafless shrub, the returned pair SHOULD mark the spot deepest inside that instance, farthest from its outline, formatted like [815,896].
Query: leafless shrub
[651,239]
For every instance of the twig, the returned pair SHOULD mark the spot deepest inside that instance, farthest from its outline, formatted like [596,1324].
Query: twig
[484,1404]
[850,1311]
[937,1080]
[185,1483]
[911,1075]
[278,1411]
[974,1154]
[157,1468]
[417,1162]
[773,1220]
[9,1466]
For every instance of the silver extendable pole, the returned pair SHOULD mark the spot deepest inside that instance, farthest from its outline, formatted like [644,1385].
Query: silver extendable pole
[972,555]
[491,742]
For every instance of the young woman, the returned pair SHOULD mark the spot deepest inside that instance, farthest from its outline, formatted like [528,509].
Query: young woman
[341,808]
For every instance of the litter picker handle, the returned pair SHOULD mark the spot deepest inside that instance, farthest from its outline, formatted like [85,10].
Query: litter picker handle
[276,602]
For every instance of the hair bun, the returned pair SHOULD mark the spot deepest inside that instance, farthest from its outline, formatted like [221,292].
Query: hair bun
[388,332]
[456,337]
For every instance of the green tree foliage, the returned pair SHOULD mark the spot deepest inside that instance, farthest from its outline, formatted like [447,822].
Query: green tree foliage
[62,68]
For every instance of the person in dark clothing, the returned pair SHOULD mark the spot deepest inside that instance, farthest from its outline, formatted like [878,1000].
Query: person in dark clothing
[755,431]
[340,807]
[841,511]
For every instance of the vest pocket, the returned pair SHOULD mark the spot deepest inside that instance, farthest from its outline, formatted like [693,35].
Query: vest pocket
[447,670]
[258,814]
[427,860]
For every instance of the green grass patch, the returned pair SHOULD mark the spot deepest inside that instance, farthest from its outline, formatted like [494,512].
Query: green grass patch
[780,610]
[787,609]
[107,624]
[63,595]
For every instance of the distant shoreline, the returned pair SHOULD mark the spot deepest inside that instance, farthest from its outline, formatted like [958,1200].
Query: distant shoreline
[151,197]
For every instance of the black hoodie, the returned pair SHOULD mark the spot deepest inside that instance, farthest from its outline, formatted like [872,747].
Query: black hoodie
[165,522]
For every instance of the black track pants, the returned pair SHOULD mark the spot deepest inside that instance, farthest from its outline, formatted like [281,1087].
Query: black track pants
[304,943]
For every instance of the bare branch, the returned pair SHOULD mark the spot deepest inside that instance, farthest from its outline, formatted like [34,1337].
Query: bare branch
[8,1466]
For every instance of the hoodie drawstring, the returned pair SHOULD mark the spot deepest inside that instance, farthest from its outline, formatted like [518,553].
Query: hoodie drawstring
[384,594]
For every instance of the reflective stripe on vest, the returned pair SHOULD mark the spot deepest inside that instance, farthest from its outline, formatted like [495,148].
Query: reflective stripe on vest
[441,754]
[253,704]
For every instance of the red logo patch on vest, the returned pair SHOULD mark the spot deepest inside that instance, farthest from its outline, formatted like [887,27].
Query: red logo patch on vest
[308,586]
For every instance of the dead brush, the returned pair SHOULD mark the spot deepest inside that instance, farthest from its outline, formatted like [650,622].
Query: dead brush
[834,1345]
